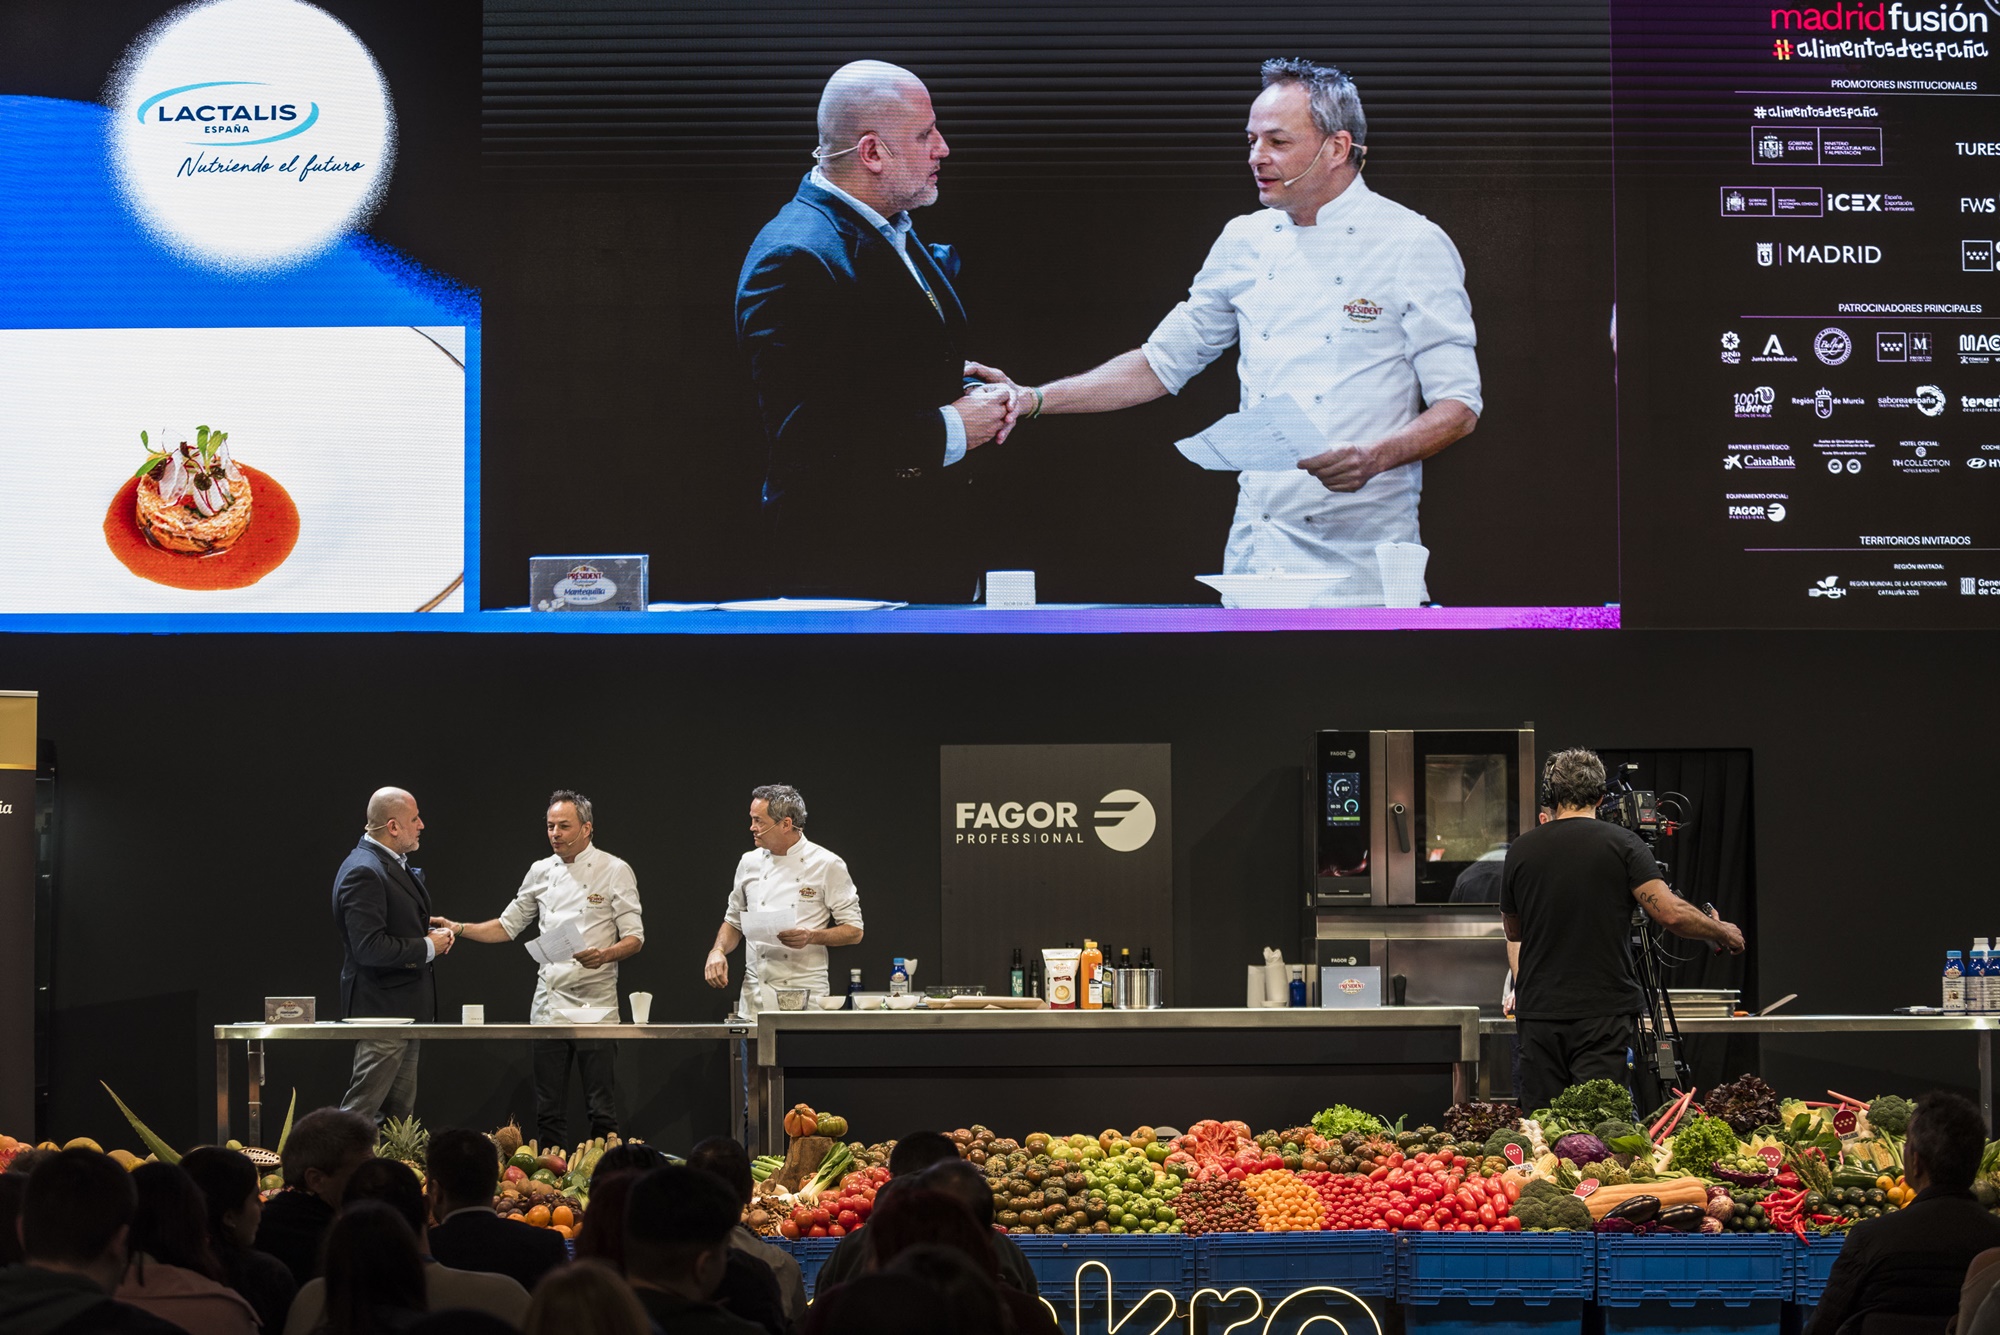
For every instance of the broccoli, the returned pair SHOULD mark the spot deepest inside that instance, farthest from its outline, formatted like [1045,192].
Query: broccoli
[1544,1205]
[1890,1114]
[1497,1143]
[1610,1131]
[1608,1173]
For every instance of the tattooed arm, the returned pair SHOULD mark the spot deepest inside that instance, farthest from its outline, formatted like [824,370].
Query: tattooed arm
[1683,919]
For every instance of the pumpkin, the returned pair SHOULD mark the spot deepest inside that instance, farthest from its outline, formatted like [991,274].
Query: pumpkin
[802,1121]
[1670,1193]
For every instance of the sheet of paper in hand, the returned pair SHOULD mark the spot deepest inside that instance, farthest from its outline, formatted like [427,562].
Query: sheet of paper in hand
[1268,438]
[557,942]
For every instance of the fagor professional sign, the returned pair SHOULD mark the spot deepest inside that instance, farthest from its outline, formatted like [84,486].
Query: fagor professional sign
[1074,841]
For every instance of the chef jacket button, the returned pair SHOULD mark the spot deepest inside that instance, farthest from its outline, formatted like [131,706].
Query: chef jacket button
[1338,281]
[1271,274]
[1350,231]
[1267,519]
[1260,396]
[1309,519]
[1277,227]
[1316,398]
[1266,335]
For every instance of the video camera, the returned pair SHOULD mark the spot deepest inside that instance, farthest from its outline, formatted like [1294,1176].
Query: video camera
[1639,810]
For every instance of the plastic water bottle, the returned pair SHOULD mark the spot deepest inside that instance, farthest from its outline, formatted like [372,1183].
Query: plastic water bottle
[1954,981]
[1978,975]
[899,978]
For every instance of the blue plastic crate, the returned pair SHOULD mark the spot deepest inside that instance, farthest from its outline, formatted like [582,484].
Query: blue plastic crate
[1706,1317]
[1361,1261]
[1137,1262]
[1812,1263]
[1483,1268]
[1680,1270]
[1508,1316]
[811,1254]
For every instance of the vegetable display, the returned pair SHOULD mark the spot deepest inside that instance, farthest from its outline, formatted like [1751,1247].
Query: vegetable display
[1746,1103]
[1699,1143]
[1581,1107]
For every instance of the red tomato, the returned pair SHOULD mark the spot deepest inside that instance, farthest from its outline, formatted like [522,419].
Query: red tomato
[789,1231]
[1511,1224]
[821,1218]
[1395,1218]
[836,1231]
[848,1219]
[817,1232]
[1512,1188]
[865,1209]
[1430,1225]
[1487,1217]
[802,1217]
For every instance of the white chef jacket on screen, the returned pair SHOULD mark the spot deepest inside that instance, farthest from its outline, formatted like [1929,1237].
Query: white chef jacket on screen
[1363,319]
[603,889]
[814,884]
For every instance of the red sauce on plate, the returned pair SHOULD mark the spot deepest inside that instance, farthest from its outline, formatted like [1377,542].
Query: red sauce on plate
[273,532]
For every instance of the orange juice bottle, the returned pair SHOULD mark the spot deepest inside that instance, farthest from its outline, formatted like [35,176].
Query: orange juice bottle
[1088,966]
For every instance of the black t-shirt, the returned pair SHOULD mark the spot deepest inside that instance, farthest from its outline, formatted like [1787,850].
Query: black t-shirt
[1570,882]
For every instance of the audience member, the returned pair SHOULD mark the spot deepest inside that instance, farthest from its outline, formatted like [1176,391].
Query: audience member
[630,1157]
[386,1182]
[324,1147]
[677,1225]
[75,1219]
[464,1172]
[977,1304]
[891,1302]
[26,1162]
[920,1216]
[1911,1264]
[228,1182]
[13,1186]
[912,1155]
[957,1178]
[173,1272]
[1980,1279]
[602,1235]
[729,1161]
[588,1298]
[374,1283]
[462,1321]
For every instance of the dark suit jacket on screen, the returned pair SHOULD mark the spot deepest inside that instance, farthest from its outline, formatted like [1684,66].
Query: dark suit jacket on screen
[482,1240]
[382,912]
[851,363]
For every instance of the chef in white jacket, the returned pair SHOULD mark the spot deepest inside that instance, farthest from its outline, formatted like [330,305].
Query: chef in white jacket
[791,884]
[1351,304]
[577,881]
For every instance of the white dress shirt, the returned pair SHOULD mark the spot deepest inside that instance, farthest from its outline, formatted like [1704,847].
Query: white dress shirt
[430,946]
[600,888]
[810,881]
[1363,319]
[896,231]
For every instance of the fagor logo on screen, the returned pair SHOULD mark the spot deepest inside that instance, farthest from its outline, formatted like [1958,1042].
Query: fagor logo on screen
[250,135]
[1123,821]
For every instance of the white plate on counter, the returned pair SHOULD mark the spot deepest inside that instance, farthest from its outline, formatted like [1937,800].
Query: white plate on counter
[810,605]
[378,1019]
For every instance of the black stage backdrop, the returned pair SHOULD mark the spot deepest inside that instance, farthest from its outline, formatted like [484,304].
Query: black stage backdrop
[186,897]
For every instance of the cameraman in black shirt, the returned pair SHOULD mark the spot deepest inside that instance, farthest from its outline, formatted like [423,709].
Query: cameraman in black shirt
[1566,895]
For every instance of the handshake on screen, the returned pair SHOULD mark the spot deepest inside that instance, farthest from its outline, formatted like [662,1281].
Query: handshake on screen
[991,408]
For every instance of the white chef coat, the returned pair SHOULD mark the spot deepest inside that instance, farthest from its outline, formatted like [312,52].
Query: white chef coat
[1363,319]
[603,889]
[813,883]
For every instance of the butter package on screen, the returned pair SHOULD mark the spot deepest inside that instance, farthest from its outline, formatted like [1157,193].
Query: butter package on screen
[1060,968]
[587,583]
[291,1010]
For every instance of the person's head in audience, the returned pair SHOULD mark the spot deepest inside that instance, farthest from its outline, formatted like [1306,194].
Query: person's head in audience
[919,1150]
[76,1216]
[1946,1137]
[629,1158]
[13,1186]
[462,1170]
[972,1296]
[918,1216]
[228,1182]
[588,1298]
[602,1236]
[677,1227]
[171,1222]
[728,1161]
[27,1161]
[889,1302]
[324,1147]
[373,1272]
[394,1184]
[964,1183]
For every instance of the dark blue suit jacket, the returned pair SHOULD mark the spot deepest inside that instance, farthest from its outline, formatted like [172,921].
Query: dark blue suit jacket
[851,362]
[382,913]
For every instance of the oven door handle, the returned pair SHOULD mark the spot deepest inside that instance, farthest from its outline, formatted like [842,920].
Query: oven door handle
[1401,815]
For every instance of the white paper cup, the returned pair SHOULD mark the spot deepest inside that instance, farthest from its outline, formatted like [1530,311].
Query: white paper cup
[1402,566]
[642,1006]
[472,1015]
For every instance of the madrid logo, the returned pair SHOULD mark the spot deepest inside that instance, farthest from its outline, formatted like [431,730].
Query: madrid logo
[250,135]
[1124,820]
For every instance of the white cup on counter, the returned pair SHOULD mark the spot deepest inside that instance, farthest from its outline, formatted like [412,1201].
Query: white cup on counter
[642,1006]
[472,1015]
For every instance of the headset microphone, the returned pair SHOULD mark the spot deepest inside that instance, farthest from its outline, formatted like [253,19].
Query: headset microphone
[1310,165]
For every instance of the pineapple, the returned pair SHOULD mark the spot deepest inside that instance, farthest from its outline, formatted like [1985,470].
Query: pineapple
[405,1140]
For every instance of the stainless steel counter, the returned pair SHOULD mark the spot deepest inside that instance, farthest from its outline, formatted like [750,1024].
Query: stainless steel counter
[1981,1025]
[738,1035]
[951,1067]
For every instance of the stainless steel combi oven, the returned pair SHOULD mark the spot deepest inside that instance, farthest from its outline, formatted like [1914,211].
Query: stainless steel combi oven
[1406,831]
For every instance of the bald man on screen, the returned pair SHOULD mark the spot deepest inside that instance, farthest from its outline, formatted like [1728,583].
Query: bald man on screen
[382,910]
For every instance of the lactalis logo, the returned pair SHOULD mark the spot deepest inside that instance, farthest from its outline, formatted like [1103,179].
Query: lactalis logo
[1124,820]
[250,135]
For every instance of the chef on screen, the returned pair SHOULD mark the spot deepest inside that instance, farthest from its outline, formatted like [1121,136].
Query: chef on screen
[791,900]
[1351,304]
[577,882]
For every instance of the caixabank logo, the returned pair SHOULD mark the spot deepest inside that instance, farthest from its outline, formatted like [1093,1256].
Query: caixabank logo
[250,135]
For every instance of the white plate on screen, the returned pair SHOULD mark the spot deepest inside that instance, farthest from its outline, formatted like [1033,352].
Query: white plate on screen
[378,1019]
[1313,590]
[811,605]
[364,427]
